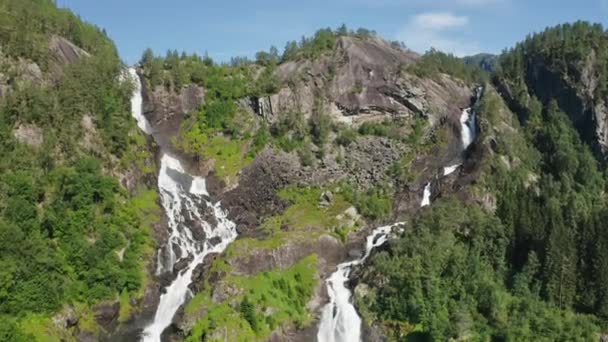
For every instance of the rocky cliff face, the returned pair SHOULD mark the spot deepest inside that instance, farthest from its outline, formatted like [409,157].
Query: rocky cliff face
[363,80]
[576,88]
[17,73]
[165,109]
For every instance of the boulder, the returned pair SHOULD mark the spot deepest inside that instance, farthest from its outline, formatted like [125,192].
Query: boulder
[63,53]
[326,199]
[29,134]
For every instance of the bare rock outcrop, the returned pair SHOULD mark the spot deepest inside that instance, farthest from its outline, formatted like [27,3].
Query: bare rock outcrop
[165,109]
[63,53]
[29,134]
[363,79]
[256,196]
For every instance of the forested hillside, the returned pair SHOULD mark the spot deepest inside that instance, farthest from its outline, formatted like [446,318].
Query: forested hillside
[532,267]
[495,164]
[71,235]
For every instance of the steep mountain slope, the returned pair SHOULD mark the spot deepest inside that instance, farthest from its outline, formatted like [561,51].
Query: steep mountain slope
[306,155]
[75,214]
[505,249]
[566,63]
[281,182]
[530,266]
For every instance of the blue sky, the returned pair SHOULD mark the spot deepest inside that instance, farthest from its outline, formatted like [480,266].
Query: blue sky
[226,28]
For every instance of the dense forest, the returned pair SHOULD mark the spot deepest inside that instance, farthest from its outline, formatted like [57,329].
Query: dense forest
[69,232]
[535,267]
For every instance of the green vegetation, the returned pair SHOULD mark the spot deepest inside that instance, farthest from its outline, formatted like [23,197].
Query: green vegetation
[305,211]
[446,278]
[528,270]
[433,63]
[227,83]
[26,27]
[376,203]
[264,302]
[303,220]
[563,49]
[322,42]
[217,129]
[320,125]
[84,242]
[70,235]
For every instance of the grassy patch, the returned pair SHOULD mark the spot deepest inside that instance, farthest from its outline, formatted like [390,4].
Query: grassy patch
[304,220]
[42,329]
[305,211]
[126,309]
[230,155]
[86,321]
[374,203]
[268,300]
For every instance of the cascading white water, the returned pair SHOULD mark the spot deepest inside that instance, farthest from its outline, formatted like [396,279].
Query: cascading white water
[179,201]
[448,170]
[137,104]
[426,195]
[468,128]
[468,120]
[339,319]
[184,198]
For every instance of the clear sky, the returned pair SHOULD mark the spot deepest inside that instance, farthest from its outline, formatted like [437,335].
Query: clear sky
[226,28]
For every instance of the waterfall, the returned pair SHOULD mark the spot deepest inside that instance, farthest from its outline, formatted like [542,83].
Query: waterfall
[137,103]
[339,319]
[183,205]
[448,170]
[426,196]
[468,128]
[184,198]
[468,120]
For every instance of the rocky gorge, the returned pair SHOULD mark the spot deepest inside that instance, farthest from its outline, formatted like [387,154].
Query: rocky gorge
[188,200]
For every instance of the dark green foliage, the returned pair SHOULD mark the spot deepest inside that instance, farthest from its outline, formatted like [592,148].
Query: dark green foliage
[375,203]
[63,219]
[388,128]
[346,137]
[434,62]
[260,139]
[320,126]
[446,276]
[224,86]
[26,26]
[374,128]
[307,158]
[530,270]
[9,331]
[562,48]
[248,312]
[65,251]
[291,131]
[321,43]
[267,58]
[558,64]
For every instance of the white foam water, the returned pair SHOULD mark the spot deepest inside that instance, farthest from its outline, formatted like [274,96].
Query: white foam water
[468,123]
[448,170]
[183,206]
[468,128]
[426,195]
[184,197]
[339,319]
[137,103]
